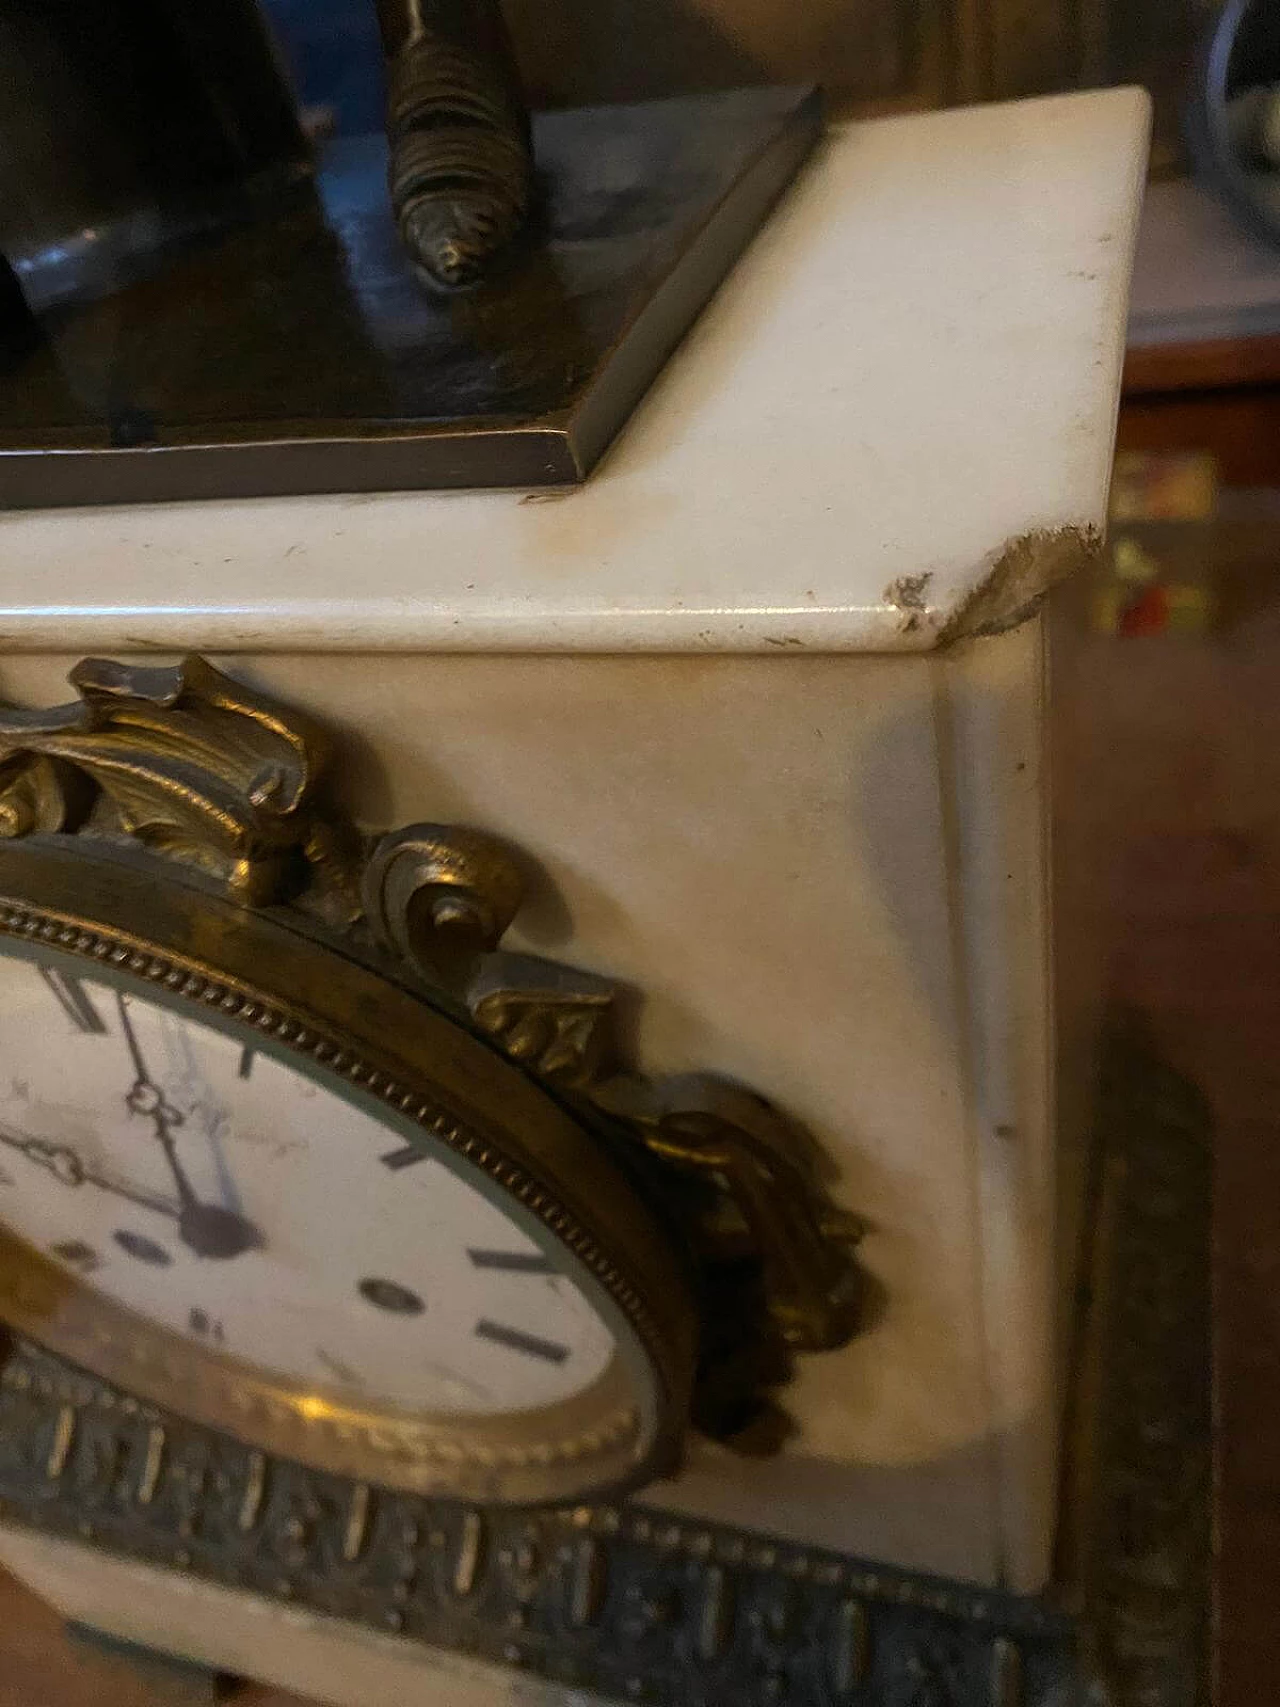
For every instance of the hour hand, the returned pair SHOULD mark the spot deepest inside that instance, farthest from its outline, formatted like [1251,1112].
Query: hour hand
[62,1161]
[69,1167]
[145,1099]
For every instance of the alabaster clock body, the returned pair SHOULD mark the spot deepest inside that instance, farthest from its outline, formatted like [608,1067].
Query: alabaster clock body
[778,1064]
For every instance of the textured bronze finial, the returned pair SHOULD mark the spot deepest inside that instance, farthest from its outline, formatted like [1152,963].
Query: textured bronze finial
[461,167]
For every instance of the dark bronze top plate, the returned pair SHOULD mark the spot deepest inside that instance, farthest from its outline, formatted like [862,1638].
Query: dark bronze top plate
[298,353]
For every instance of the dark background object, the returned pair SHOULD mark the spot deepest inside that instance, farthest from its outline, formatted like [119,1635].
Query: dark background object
[1241,53]
[871,55]
[20,335]
[128,123]
[334,52]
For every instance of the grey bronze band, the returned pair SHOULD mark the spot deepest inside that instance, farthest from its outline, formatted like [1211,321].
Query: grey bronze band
[646,1606]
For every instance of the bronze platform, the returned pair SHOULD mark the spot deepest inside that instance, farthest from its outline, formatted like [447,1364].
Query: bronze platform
[297,353]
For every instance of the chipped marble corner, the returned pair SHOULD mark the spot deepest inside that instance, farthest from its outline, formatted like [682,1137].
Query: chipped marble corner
[1020,576]
[1010,590]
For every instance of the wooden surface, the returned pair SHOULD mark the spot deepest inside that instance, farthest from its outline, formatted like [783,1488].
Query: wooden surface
[1212,364]
[873,55]
[40,1666]
[1241,426]
[1220,395]
[1191,792]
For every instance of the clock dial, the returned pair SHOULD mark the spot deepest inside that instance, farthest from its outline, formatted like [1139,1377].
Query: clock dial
[212,1189]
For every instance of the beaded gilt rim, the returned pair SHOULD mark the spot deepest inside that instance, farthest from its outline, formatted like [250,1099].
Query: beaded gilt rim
[186,981]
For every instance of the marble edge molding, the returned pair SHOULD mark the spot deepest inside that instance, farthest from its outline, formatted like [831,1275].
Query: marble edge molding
[1015,583]
[1006,591]
[1012,582]
[614,567]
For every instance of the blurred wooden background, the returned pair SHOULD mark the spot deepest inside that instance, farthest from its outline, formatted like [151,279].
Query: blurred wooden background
[878,54]
[873,55]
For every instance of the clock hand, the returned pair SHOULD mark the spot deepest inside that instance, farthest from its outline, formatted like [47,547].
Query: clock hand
[68,1166]
[205,1228]
[216,1123]
[146,1098]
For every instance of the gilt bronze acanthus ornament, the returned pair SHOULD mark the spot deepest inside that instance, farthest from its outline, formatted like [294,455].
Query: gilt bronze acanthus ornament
[194,767]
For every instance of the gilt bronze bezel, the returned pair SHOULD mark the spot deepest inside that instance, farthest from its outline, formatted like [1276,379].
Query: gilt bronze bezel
[148,926]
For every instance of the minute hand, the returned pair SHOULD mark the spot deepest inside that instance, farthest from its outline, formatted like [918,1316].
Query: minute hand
[208,1229]
[146,1098]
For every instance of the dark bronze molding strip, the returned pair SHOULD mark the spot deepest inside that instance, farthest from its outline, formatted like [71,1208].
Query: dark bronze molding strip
[649,1607]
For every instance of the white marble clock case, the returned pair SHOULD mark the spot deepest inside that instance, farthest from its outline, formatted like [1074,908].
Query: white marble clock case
[768,703]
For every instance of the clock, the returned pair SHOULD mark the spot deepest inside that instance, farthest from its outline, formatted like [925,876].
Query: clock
[291,1146]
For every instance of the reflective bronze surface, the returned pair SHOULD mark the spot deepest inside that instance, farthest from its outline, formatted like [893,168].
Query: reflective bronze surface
[129,125]
[301,354]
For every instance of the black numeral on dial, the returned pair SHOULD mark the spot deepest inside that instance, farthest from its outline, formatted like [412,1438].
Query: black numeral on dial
[144,1249]
[529,1345]
[404,1158]
[513,1262]
[78,1255]
[390,1295]
[74,1000]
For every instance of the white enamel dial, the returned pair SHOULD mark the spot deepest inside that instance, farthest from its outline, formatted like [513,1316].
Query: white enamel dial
[212,1189]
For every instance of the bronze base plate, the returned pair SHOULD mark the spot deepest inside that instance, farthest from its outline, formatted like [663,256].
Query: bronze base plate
[297,352]
[641,1605]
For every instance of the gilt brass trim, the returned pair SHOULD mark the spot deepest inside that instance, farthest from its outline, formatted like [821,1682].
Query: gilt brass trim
[607,1436]
[634,1604]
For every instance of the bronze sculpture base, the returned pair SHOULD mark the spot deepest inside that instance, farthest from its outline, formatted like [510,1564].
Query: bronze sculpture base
[298,353]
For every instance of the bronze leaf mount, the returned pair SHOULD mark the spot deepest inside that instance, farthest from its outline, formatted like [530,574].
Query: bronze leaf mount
[197,768]
[182,759]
